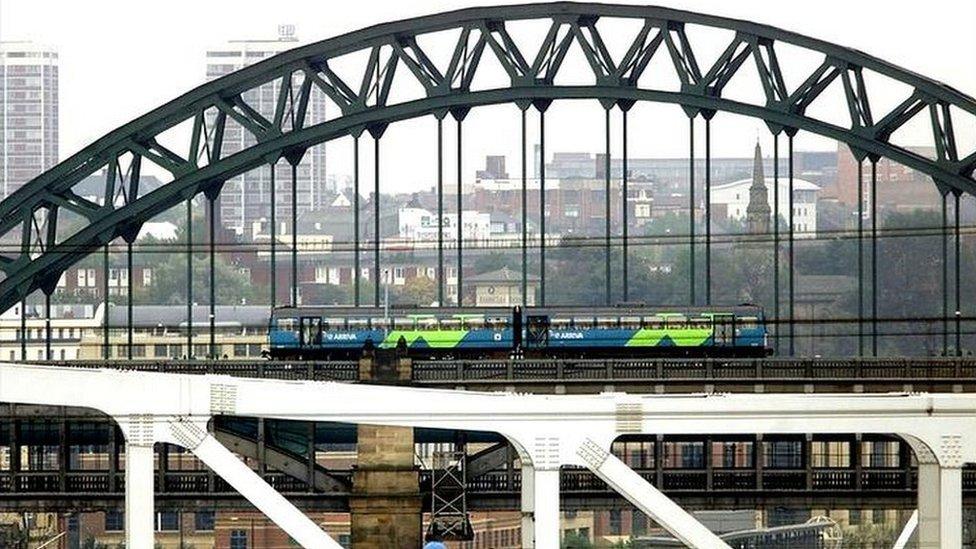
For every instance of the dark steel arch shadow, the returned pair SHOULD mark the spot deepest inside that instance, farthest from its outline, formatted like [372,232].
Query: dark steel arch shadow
[530,83]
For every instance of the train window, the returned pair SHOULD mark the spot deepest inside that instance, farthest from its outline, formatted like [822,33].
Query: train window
[333,324]
[358,323]
[496,323]
[606,322]
[474,323]
[582,322]
[288,325]
[559,324]
[403,323]
[653,322]
[427,323]
[700,323]
[630,322]
[677,321]
[747,322]
[380,323]
[450,324]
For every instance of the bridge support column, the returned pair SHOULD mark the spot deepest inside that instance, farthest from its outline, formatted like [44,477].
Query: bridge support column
[646,497]
[139,493]
[528,506]
[545,500]
[385,504]
[939,506]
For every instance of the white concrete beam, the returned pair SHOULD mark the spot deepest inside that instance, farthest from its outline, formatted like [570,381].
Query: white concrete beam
[267,500]
[647,498]
[907,532]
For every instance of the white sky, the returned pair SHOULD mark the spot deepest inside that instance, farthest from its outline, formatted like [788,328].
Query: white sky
[121,58]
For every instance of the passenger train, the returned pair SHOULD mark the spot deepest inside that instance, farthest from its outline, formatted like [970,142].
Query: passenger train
[535,332]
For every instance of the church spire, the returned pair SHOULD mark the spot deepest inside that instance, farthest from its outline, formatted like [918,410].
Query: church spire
[758,211]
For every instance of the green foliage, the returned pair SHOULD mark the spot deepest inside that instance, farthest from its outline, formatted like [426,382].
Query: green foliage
[574,540]
[168,287]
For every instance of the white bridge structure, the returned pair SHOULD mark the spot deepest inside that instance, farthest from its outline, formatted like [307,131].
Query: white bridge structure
[548,431]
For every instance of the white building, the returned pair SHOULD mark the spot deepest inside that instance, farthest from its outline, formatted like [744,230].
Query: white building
[734,197]
[420,224]
[68,323]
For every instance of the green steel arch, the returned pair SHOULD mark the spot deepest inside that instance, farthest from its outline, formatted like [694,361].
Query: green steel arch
[31,213]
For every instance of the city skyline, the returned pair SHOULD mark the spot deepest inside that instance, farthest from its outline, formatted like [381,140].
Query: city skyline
[87,58]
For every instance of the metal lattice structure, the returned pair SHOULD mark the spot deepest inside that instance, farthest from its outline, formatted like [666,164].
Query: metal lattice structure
[34,214]
[449,517]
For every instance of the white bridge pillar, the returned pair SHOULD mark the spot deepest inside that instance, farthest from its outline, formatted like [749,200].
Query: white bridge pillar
[545,488]
[139,494]
[528,506]
[939,506]
[647,498]
[950,504]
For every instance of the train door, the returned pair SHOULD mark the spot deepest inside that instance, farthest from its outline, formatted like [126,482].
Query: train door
[517,328]
[311,332]
[537,330]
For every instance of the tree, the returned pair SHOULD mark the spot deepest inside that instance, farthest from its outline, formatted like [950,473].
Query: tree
[419,290]
[575,540]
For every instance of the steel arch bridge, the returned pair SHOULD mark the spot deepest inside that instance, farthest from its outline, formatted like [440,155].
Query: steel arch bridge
[199,165]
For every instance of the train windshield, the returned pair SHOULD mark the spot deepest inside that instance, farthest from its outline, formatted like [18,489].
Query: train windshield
[287,324]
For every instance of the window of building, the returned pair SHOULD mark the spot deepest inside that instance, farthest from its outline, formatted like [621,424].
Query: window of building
[615,522]
[203,521]
[684,455]
[830,453]
[240,349]
[639,527]
[880,453]
[167,521]
[783,454]
[160,350]
[732,454]
[114,520]
[238,539]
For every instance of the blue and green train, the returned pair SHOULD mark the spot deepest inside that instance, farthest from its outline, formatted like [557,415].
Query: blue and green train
[633,331]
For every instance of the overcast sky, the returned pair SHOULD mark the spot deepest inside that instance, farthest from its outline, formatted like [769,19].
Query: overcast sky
[121,58]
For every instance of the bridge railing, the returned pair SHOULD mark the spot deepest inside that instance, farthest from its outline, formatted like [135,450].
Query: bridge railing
[665,370]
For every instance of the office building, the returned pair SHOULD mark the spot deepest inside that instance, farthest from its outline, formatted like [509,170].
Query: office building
[29,121]
[246,199]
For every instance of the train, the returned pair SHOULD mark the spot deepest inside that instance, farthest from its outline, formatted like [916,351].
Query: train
[335,333]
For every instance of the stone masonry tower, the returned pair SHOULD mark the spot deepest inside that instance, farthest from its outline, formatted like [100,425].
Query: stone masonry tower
[758,211]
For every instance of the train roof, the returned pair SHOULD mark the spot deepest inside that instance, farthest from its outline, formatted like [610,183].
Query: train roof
[393,311]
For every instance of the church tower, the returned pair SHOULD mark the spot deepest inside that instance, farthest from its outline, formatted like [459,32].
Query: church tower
[758,211]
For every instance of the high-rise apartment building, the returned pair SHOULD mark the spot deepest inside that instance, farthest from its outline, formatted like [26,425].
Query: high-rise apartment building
[246,200]
[29,108]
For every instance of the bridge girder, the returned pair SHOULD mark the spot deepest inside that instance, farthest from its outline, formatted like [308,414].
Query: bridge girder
[200,165]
